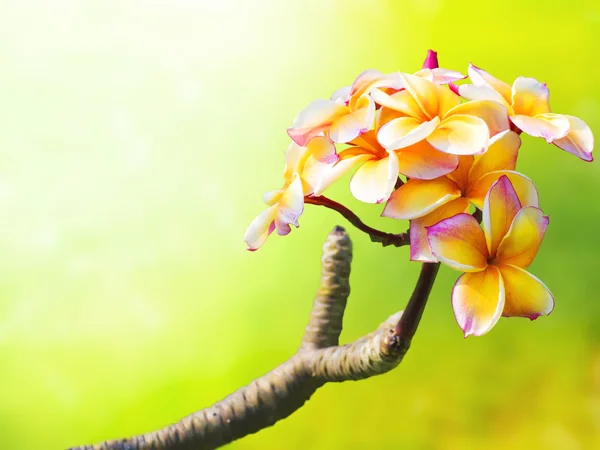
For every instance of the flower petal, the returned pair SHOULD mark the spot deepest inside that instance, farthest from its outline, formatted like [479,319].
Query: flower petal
[349,126]
[368,141]
[295,159]
[342,95]
[445,76]
[372,79]
[579,140]
[290,207]
[459,243]
[440,76]
[383,115]
[322,149]
[525,294]
[526,190]
[454,88]
[401,102]
[523,239]
[364,80]
[500,155]
[461,135]
[480,77]
[461,175]
[474,92]
[321,175]
[530,97]
[419,246]
[478,300]
[500,208]
[260,228]
[272,197]
[447,100]
[405,131]
[547,126]
[374,181]
[314,119]
[424,162]
[416,198]
[493,114]
[424,92]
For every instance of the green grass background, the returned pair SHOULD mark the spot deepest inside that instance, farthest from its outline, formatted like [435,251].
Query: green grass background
[136,140]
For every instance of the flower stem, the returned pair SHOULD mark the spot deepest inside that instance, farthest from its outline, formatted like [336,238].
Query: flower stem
[385,239]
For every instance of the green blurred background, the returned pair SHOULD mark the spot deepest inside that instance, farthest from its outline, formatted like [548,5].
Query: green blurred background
[136,141]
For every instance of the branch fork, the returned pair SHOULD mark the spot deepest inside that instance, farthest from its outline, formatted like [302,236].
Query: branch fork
[319,360]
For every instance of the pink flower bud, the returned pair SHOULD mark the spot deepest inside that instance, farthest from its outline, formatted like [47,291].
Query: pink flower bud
[431,60]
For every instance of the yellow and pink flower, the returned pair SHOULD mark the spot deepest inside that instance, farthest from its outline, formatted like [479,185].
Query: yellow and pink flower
[287,204]
[377,169]
[425,202]
[456,155]
[426,111]
[494,260]
[528,105]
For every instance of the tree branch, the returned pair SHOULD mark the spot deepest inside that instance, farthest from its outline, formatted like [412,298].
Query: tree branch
[319,360]
[385,239]
[325,324]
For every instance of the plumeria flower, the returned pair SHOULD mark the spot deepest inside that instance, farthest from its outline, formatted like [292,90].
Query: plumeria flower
[495,282]
[528,104]
[426,202]
[377,169]
[349,112]
[427,111]
[287,204]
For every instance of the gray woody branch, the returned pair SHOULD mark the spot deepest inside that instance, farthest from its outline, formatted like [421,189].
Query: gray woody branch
[319,360]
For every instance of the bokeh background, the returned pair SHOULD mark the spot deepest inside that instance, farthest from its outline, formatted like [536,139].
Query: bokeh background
[136,141]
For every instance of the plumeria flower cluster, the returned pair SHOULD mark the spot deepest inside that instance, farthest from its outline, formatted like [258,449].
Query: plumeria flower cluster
[443,157]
